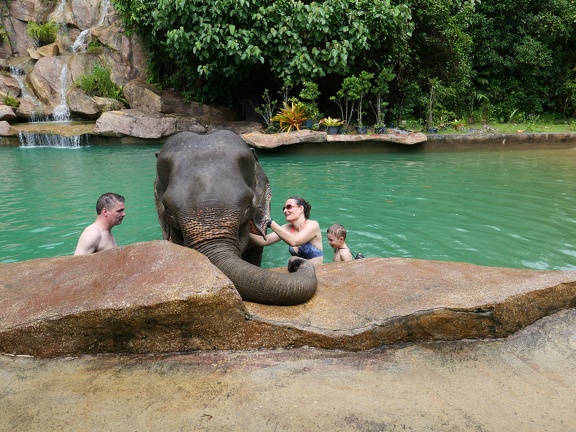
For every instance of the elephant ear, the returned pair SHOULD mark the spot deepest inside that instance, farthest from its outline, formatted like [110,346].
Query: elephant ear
[262,198]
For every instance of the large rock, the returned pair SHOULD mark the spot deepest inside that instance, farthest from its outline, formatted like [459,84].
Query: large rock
[6,113]
[160,297]
[150,297]
[9,85]
[135,123]
[146,97]
[6,129]
[82,104]
[270,141]
[46,80]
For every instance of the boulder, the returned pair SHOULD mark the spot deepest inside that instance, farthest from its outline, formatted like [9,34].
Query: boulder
[6,129]
[28,109]
[85,13]
[108,104]
[49,50]
[46,80]
[135,123]
[6,113]
[146,97]
[82,104]
[160,297]
[269,141]
[9,86]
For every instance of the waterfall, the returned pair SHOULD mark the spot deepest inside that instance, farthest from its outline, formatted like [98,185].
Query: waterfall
[104,5]
[80,40]
[62,111]
[48,140]
[83,36]
[18,74]
[61,114]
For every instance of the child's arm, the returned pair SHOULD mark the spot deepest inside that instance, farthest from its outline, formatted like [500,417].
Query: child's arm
[345,255]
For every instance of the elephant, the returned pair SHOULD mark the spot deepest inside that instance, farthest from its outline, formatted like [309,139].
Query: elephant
[210,193]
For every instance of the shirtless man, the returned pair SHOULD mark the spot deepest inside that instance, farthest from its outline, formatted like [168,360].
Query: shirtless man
[98,236]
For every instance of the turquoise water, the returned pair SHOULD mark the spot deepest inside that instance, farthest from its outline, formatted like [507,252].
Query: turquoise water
[506,209]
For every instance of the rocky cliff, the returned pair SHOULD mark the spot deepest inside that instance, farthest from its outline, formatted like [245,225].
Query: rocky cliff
[90,34]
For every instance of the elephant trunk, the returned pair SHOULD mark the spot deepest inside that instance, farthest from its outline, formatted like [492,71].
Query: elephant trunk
[262,285]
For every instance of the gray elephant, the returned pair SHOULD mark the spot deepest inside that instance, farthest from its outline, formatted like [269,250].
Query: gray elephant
[210,193]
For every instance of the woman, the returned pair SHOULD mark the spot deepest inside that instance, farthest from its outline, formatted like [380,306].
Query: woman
[302,235]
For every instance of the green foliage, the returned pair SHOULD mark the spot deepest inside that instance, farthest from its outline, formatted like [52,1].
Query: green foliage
[43,34]
[267,108]
[309,96]
[99,83]
[380,90]
[531,44]
[445,60]
[94,46]
[329,121]
[350,97]
[214,46]
[10,101]
[3,34]
[291,117]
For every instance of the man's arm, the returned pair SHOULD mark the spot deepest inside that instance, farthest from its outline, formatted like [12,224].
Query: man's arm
[88,241]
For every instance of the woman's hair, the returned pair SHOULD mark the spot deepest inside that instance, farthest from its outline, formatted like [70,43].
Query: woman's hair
[302,202]
[337,230]
[107,201]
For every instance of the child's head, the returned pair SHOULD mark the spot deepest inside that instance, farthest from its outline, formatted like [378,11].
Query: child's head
[336,235]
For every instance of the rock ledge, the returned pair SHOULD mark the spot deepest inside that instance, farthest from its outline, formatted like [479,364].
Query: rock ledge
[159,297]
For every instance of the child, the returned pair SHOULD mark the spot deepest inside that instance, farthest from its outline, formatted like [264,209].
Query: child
[337,240]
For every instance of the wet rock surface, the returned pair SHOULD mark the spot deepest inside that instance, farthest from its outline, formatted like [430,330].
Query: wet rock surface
[525,382]
[159,297]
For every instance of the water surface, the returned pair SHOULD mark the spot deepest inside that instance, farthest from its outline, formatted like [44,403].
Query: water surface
[507,209]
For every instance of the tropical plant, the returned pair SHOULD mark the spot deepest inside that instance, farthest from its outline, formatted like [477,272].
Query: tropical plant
[291,117]
[350,97]
[380,90]
[266,109]
[99,83]
[329,121]
[309,96]
[42,34]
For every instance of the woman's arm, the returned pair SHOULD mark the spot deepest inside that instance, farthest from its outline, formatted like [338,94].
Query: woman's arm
[306,234]
[259,240]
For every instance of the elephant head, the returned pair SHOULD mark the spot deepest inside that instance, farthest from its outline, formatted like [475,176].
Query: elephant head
[210,193]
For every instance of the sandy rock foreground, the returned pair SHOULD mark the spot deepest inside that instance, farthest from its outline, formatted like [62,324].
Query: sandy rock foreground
[526,383]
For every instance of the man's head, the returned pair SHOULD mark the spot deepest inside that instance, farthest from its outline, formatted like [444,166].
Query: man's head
[110,208]
[108,201]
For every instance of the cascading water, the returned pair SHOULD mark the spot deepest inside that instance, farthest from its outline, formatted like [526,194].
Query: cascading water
[62,111]
[80,42]
[61,114]
[18,74]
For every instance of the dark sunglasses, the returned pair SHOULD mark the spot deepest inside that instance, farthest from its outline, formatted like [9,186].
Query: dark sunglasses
[289,207]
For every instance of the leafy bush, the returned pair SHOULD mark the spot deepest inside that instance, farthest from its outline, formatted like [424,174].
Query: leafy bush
[99,83]
[3,34]
[11,101]
[43,34]
[196,46]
